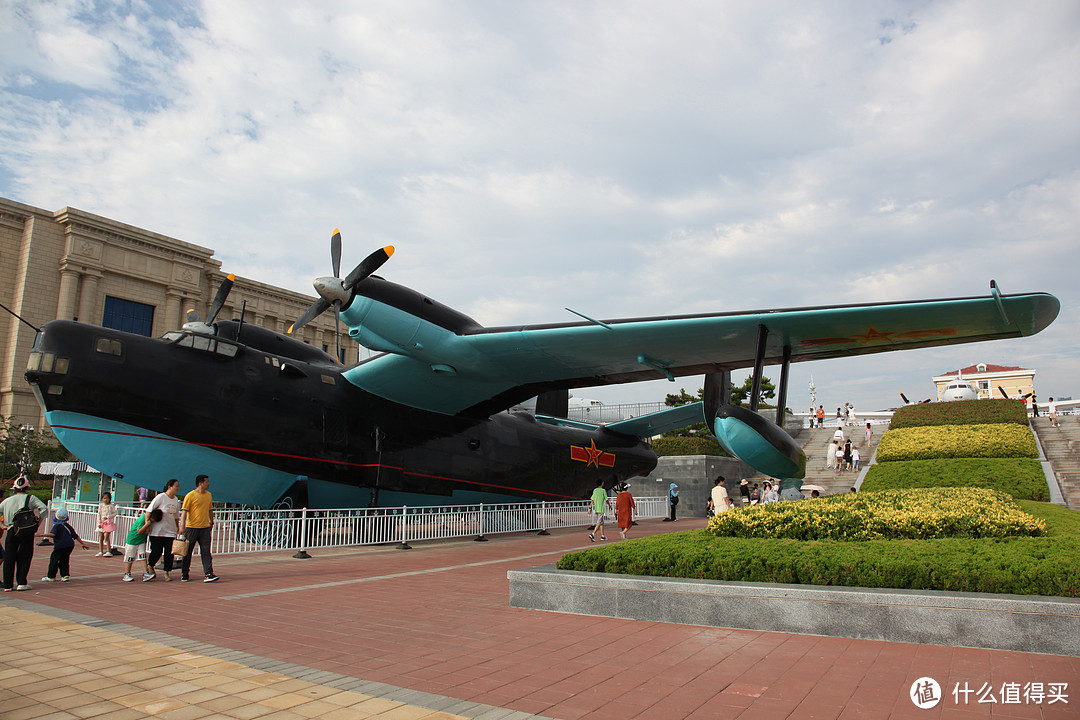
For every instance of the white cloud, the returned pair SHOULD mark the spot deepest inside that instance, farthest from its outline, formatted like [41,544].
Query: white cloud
[638,159]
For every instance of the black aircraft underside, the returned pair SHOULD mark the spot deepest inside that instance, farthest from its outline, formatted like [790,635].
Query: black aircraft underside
[282,404]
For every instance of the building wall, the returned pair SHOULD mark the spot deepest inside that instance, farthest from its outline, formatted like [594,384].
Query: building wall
[1013,381]
[62,264]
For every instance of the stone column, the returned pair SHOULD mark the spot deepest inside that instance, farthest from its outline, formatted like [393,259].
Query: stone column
[69,289]
[174,309]
[88,297]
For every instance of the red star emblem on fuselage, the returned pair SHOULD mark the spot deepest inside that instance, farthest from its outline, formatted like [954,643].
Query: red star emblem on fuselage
[592,455]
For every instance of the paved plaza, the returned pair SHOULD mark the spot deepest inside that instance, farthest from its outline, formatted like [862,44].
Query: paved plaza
[429,633]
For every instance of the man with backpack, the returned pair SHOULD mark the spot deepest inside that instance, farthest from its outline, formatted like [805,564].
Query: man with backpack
[19,516]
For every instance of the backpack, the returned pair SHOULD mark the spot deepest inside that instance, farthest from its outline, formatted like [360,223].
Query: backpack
[24,519]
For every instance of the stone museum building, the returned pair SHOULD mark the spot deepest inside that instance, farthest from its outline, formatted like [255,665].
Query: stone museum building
[74,265]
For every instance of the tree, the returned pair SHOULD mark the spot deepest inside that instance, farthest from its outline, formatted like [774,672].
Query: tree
[740,395]
[21,443]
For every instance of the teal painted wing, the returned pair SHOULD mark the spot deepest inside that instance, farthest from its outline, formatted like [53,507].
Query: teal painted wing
[490,369]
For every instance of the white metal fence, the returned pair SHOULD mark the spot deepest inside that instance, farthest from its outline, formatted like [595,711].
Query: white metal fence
[246,531]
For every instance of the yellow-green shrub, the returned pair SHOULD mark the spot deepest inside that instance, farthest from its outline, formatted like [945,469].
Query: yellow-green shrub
[921,513]
[957,441]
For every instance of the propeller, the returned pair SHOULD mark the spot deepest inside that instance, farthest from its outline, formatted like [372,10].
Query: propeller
[216,304]
[335,292]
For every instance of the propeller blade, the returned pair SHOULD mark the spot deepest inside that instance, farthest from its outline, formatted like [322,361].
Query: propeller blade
[317,308]
[904,397]
[369,265]
[219,299]
[193,316]
[335,252]
[1003,393]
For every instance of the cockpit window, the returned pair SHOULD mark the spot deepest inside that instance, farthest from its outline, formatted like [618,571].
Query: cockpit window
[206,344]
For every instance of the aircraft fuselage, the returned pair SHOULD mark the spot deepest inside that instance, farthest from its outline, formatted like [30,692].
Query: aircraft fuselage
[147,409]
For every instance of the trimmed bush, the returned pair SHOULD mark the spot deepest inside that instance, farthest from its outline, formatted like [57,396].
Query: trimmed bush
[957,441]
[963,412]
[1022,478]
[1021,565]
[916,514]
[688,446]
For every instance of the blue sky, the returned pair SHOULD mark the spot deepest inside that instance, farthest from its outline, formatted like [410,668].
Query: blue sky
[623,159]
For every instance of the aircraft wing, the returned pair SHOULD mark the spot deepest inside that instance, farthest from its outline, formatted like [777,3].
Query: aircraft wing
[485,370]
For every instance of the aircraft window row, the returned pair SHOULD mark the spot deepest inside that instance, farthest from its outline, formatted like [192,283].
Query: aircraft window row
[207,344]
[109,346]
[47,362]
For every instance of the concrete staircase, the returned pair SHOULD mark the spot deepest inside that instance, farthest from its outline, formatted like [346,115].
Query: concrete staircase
[815,443]
[1062,448]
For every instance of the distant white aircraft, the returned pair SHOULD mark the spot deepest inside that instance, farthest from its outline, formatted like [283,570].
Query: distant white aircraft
[959,389]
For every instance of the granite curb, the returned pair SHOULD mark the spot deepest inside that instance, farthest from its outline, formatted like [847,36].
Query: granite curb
[1026,623]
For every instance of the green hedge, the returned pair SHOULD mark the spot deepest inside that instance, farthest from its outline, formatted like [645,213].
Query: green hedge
[688,446]
[963,412]
[1022,478]
[1020,565]
[957,441]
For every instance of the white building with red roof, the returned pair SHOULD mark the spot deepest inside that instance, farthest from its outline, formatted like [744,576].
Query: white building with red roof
[1013,381]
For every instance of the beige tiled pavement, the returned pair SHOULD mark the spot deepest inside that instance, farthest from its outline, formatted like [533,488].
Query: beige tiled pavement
[54,669]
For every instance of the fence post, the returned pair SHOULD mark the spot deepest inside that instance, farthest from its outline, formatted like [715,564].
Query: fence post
[404,542]
[480,537]
[543,518]
[303,554]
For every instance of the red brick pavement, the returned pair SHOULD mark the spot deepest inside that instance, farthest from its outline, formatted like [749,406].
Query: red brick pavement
[437,619]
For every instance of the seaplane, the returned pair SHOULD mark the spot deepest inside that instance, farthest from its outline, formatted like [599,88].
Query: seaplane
[422,420]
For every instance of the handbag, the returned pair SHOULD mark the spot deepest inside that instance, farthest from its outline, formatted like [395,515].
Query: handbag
[108,526]
[180,546]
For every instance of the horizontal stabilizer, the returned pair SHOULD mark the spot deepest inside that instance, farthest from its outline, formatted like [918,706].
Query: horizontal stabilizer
[644,426]
[661,422]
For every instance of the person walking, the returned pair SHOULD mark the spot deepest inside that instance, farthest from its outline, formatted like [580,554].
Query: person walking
[820,416]
[163,532]
[197,526]
[1051,411]
[599,504]
[869,433]
[624,509]
[63,537]
[20,514]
